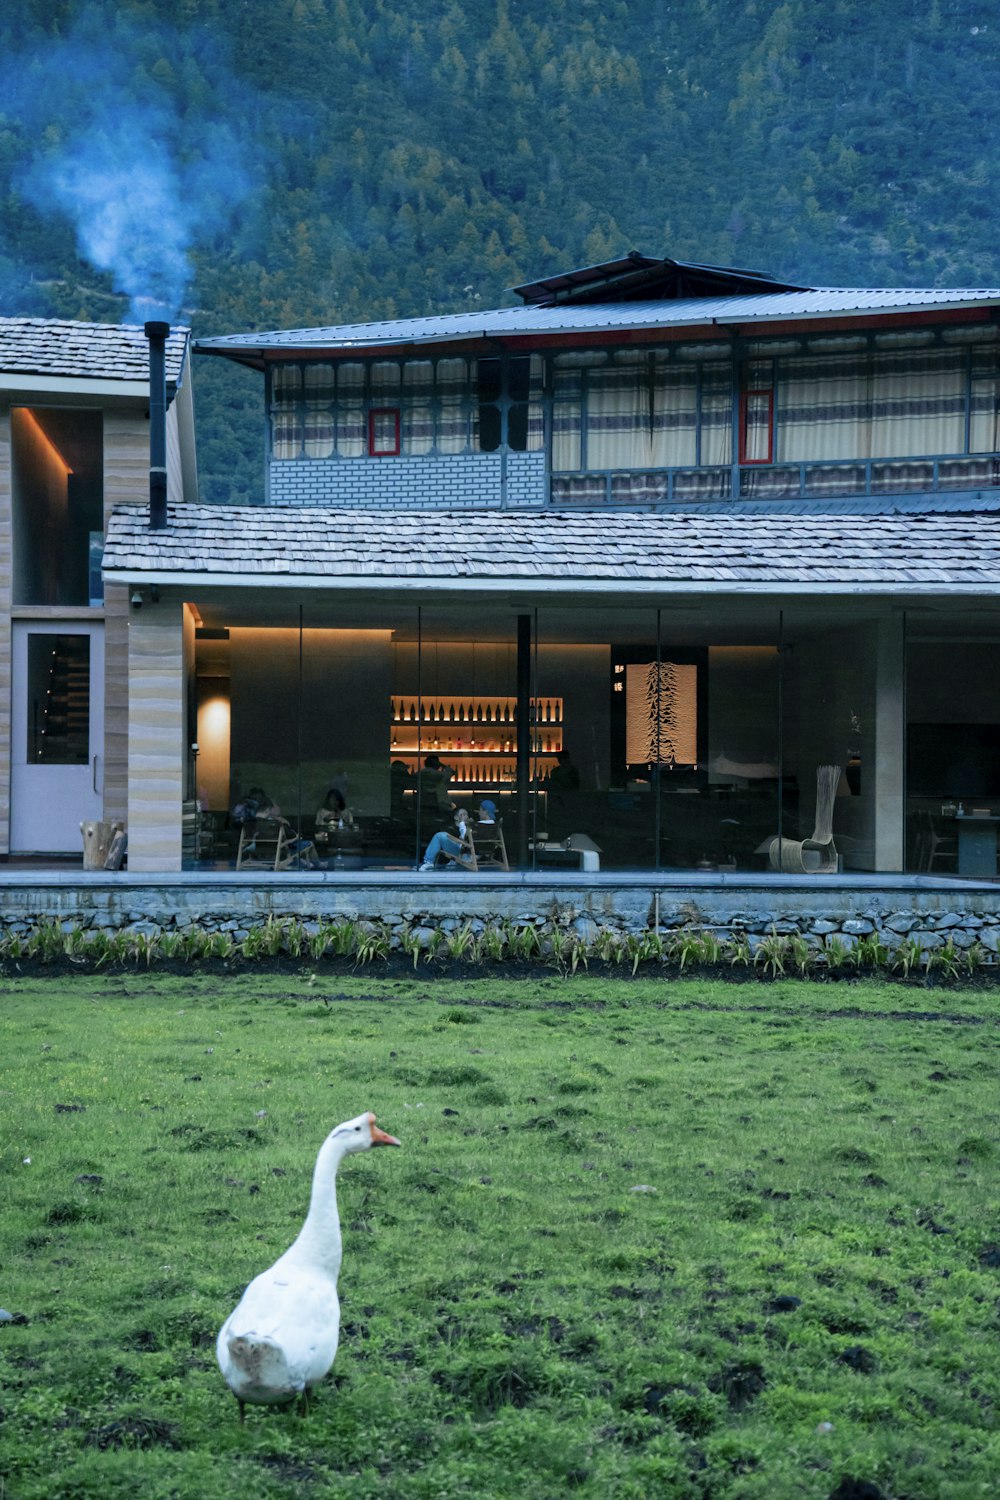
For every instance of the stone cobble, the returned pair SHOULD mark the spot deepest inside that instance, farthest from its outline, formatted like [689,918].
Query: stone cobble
[929,919]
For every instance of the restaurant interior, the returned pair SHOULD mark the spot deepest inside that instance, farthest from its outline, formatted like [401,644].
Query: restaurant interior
[697,734]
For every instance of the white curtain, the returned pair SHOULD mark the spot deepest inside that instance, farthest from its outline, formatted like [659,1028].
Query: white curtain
[320,425]
[823,408]
[619,415]
[418,410]
[286,421]
[918,403]
[536,414]
[352,435]
[453,405]
[757,412]
[716,412]
[674,435]
[567,407]
[984,434]
[898,404]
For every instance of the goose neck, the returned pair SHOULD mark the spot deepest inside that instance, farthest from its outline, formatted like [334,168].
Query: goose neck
[319,1239]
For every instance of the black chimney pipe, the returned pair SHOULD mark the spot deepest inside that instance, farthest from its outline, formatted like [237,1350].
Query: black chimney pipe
[157,334]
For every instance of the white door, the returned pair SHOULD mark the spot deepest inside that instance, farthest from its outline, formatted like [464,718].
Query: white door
[57,735]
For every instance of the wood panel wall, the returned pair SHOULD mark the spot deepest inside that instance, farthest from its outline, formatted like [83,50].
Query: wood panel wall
[156,675]
[126,479]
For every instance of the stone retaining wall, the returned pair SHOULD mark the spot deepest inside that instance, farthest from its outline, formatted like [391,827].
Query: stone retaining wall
[929,912]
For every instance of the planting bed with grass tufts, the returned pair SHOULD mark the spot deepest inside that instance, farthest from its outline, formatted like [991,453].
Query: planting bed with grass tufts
[644,1238]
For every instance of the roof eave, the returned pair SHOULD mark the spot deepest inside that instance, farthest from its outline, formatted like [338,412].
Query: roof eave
[550,583]
[260,356]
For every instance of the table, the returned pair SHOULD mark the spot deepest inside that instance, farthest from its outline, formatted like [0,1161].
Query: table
[977,844]
[343,848]
[588,858]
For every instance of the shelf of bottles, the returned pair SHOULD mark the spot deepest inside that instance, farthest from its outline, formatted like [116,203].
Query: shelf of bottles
[476,737]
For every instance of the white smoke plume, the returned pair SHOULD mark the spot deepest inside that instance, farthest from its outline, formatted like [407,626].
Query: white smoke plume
[133,135]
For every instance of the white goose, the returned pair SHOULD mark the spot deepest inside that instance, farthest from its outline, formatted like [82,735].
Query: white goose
[282,1338]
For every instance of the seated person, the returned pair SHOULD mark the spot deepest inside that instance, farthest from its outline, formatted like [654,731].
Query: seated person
[446,843]
[487,812]
[257,804]
[564,776]
[334,812]
[244,815]
[433,782]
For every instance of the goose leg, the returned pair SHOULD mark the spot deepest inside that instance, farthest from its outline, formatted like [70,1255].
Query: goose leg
[243,1410]
[304,1402]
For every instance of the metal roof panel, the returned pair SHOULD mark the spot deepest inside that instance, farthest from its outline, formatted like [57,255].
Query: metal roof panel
[513,322]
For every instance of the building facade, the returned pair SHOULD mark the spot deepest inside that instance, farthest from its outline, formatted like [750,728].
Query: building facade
[74,443]
[679,566]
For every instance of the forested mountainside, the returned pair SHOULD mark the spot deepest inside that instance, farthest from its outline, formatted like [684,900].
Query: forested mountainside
[322,161]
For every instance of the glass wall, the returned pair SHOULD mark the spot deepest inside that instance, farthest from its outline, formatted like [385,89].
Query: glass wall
[953,742]
[835,711]
[713,735]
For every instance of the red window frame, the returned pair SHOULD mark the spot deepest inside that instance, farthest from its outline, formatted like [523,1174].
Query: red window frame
[757,391]
[381,451]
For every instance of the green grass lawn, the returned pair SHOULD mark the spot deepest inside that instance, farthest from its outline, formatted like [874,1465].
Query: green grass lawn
[644,1239]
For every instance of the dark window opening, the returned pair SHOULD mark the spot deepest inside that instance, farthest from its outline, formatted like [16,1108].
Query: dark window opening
[489,429]
[517,427]
[58,504]
[489,380]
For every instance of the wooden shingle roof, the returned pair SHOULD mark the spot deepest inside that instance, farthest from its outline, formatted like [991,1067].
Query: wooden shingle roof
[89,351]
[848,553]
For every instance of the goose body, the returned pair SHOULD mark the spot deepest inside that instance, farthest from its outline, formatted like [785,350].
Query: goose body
[282,1337]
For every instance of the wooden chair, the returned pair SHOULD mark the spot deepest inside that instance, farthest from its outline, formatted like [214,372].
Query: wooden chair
[817,855]
[933,845]
[488,844]
[266,844]
[466,858]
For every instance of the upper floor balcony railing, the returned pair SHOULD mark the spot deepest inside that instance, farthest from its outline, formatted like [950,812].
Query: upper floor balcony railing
[822,479]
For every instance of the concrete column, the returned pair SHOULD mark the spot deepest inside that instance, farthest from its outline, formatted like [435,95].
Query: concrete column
[890,744]
[155,736]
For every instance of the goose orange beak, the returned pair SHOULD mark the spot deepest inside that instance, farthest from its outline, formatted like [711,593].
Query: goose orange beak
[379,1137]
